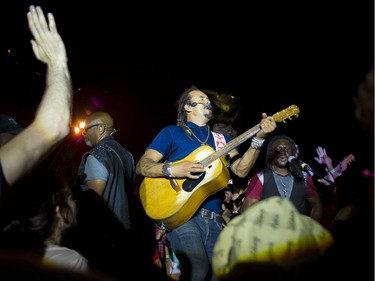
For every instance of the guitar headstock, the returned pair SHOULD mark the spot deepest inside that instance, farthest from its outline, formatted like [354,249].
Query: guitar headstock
[349,159]
[286,113]
[346,161]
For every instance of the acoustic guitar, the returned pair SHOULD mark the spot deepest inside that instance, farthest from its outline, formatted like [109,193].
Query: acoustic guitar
[172,202]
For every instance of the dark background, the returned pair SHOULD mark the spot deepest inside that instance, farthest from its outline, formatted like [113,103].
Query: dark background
[134,60]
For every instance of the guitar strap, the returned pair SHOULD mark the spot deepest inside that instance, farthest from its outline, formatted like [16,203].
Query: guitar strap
[219,140]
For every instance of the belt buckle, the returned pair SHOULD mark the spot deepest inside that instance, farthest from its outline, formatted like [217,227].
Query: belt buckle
[207,214]
[210,215]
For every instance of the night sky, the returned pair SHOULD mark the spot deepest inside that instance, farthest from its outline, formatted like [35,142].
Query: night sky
[134,60]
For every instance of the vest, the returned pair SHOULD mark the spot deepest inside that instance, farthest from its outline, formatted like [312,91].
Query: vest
[120,165]
[297,197]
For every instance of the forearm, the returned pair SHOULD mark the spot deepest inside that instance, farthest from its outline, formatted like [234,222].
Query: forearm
[337,171]
[333,173]
[149,168]
[242,166]
[54,112]
[24,152]
[50,125]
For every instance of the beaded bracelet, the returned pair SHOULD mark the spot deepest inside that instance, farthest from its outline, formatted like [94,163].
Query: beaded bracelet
[256,143]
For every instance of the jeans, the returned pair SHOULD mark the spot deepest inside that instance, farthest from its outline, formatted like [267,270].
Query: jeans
[193,244]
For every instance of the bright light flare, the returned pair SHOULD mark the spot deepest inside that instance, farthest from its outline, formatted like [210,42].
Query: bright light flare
[78,129]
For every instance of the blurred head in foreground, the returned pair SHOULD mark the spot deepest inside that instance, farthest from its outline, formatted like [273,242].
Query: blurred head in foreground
[270,239]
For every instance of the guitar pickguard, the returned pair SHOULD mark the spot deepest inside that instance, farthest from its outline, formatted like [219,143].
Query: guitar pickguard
[190,184]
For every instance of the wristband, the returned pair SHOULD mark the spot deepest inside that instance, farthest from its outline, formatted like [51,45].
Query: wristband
[256,143]
[167,169]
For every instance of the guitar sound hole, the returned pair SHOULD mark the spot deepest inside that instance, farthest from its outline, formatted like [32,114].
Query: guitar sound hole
[190,184]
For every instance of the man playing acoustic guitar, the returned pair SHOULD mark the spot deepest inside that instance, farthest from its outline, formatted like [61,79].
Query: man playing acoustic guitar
[179,187]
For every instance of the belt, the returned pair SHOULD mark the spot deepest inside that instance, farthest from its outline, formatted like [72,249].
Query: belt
[210,215]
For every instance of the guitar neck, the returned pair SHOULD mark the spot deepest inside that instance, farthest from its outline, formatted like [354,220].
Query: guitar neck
[280,116]
[231,145]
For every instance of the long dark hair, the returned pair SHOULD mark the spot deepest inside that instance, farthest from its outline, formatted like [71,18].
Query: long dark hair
[31,211]
[184,99]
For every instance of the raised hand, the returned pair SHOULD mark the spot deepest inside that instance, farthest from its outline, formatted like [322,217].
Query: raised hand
[323,158]
[47,44]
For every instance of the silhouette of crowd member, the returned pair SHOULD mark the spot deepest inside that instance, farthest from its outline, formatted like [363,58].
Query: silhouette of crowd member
[234,194]
[284,179]
[51,124]
[227,206]
[364,103]
[164,257]
[37,218]
[332,172]
[167,158]
[33,223]
[328,192]
[353,224]
[364,112]
[238,190]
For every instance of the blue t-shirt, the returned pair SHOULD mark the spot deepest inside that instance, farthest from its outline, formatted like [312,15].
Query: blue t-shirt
[176,143]
[94,170]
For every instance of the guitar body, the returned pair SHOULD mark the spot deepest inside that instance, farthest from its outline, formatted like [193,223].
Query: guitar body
[173,202]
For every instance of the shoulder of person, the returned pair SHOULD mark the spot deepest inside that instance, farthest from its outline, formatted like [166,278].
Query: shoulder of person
[172,129]
[64,255]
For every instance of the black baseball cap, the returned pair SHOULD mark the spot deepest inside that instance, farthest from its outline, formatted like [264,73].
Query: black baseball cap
[9,125]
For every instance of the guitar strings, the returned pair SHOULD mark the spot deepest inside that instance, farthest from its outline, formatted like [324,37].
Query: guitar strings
[190,131]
